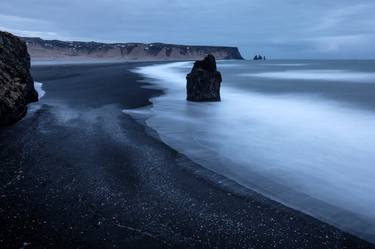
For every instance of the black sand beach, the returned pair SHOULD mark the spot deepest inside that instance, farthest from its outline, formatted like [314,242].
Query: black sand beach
[78,173]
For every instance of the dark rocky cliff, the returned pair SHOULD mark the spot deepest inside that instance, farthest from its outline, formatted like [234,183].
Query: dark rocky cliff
[16,83]
[40,49]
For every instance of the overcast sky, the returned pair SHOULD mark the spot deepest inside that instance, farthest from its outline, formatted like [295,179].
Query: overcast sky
[276,28]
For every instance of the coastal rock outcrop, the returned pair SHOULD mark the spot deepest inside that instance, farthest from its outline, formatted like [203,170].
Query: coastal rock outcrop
[203,82]
[259,57]
[16,84]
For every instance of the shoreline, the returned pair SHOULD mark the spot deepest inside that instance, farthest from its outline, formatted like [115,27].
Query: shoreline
[93,174]
[166,129]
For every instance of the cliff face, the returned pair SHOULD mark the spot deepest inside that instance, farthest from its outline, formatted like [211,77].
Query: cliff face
[16,83]
[59,50]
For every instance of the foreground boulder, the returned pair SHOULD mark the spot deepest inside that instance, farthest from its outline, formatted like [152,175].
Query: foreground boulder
[16,83]
[203,82]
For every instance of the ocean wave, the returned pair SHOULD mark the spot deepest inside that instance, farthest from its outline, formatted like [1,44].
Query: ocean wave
[39,88]
[287,64]
[317,151]
[327,75]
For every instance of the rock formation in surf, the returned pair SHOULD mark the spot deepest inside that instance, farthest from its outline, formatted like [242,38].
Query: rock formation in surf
[259,57]
[203,82]
[16,83]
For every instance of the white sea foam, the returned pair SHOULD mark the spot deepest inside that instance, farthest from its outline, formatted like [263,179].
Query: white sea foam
[39,88]
[328,75]
[231,65]
[309,146]
[288,64]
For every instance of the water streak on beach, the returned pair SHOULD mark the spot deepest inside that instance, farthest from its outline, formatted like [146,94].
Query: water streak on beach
[39,88]
[303,136]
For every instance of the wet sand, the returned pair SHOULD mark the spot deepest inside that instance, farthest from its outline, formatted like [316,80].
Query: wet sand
[78,173]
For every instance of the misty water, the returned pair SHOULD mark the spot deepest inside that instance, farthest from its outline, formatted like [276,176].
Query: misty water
[299,132]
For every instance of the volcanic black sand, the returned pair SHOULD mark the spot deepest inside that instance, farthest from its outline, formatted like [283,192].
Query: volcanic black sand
[78,173]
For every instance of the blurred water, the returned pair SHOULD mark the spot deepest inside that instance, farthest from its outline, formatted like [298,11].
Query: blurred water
[331,75]
[39,88]
[299,132]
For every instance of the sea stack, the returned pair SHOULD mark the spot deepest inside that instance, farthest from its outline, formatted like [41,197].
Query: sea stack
[16,83]
[203,82]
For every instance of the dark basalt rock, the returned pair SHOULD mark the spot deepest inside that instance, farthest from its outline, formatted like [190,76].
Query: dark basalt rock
[203,82]
[259,57]
[16,83]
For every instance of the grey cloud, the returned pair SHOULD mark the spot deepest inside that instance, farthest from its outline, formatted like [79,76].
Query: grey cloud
[278,28]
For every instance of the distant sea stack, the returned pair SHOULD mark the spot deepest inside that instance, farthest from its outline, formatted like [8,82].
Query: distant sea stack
[41,50]
[16,83]
[259,58]
[203,82]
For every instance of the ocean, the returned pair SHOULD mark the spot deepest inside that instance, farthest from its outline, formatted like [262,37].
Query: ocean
[299,132]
